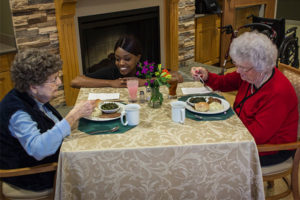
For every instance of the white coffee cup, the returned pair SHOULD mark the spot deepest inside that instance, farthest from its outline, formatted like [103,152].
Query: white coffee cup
[178,111]
[132,113]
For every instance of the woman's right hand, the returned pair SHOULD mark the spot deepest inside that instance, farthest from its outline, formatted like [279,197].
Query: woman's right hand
[82,109]
[199,72]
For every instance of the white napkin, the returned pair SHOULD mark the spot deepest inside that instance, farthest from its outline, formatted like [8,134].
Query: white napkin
[103,96]
[201,90]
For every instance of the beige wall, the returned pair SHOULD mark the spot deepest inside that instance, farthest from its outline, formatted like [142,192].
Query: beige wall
[6,27]
[293,23]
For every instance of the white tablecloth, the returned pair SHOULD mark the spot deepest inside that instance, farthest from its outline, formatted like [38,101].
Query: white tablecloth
[160,159]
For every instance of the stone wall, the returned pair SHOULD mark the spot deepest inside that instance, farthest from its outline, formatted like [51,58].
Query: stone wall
[186,27]
[34,25]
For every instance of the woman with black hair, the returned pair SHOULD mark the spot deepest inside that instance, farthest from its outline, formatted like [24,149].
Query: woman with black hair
[127,54]
[114,72]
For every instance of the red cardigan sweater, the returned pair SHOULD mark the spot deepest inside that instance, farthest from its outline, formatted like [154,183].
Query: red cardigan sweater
[270,113]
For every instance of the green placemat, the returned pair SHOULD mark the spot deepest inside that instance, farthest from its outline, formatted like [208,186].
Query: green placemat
[208,117]
[89,126]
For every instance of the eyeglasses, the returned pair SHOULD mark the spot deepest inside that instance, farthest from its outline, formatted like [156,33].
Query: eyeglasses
[243,69]
[53,81]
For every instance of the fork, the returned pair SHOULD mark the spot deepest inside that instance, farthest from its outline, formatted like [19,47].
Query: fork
[104,131]
[204,84]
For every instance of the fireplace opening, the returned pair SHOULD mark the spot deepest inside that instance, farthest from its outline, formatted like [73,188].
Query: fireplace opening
[99,33]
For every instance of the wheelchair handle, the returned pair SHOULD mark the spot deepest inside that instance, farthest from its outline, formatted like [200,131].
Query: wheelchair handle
[293,29]
[265,26]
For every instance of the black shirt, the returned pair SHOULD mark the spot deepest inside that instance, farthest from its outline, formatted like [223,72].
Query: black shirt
[109,71]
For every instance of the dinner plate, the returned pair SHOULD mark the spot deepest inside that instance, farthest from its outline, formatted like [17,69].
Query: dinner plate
[107,119]
[225,104]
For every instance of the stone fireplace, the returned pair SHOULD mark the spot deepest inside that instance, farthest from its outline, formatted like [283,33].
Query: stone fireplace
[53,25]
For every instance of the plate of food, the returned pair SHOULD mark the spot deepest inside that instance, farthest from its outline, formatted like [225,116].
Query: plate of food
[207,105]
[106,111]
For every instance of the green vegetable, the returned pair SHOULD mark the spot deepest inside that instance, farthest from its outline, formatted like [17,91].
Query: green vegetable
[197,99]
[109,106]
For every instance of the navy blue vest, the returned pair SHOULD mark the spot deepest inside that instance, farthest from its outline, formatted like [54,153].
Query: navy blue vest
[12,154]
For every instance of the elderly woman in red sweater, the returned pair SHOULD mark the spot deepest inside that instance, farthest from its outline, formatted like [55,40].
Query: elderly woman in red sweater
[266,101]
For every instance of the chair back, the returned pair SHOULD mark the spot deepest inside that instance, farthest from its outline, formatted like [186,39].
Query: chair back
[293,75]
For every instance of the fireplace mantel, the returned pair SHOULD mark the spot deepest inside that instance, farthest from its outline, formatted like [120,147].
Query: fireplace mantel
[65,12]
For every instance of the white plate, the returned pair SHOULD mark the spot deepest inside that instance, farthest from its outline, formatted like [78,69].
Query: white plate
[225,104]
[107,119]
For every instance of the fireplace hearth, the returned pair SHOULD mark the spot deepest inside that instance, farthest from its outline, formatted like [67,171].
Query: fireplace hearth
[98,34]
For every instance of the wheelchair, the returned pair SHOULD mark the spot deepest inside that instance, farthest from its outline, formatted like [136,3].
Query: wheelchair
[286,42]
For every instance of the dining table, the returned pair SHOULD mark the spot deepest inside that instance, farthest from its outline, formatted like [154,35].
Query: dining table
[158,158]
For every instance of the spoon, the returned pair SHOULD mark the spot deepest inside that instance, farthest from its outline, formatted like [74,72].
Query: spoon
[104,131]
[199,117]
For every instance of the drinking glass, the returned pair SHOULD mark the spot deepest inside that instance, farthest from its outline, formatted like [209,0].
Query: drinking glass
[173,86]
[132,86]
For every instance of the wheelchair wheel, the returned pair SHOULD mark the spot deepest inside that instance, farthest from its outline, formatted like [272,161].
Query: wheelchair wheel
[288,52]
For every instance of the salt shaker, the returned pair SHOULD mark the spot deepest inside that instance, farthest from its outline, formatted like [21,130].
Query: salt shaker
[142,97]
[148,94]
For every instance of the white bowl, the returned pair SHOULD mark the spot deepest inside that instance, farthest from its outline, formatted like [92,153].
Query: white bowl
[110,110]
[193,104]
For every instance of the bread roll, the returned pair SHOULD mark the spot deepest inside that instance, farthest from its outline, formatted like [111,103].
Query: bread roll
[98,101]
[97,112]
[201,106]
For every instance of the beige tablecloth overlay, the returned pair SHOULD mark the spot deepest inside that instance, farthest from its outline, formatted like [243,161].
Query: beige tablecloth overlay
[160,159]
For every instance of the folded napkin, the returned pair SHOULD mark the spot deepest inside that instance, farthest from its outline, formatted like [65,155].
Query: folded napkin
[103,96]
[207,117]
[89,126]
[200,90]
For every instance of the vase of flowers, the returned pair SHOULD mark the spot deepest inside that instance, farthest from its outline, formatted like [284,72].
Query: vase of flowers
[155,76]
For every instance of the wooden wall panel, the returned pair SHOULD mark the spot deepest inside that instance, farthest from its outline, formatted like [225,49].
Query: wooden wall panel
[5,81]
[229,17]
[207,39]
[65,12]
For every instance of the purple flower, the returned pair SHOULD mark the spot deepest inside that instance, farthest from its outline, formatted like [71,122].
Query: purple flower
[151,68]
[146,63]
[146,84]
[137,73]
[151,81]
[144,70]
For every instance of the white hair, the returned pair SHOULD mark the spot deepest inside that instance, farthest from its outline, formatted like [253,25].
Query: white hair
[255,49]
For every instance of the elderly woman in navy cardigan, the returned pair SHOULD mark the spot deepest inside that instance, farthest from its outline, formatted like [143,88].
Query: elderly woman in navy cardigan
[31,130]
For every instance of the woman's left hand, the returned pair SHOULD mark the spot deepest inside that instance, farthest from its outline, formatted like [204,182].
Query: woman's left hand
[119,83]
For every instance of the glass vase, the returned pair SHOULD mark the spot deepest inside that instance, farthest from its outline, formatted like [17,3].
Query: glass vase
[156,98]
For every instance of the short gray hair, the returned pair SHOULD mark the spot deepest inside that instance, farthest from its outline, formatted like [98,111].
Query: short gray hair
[256,49]
[33,67]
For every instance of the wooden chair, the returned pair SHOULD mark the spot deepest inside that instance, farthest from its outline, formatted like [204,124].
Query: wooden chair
[291,166]
[15,193]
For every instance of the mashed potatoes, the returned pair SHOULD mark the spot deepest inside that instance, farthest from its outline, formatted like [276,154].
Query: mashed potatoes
[215,106]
